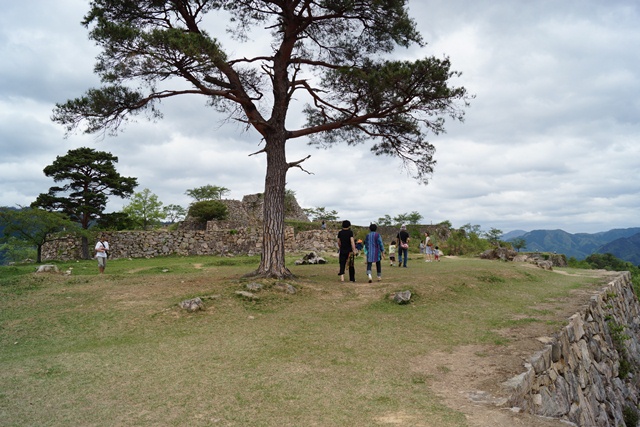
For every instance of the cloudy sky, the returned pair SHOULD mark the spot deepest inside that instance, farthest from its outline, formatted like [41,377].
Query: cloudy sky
[551,141]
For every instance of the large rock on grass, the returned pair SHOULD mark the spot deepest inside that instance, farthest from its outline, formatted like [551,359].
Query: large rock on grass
[193,304]
[48,268]
[403,297]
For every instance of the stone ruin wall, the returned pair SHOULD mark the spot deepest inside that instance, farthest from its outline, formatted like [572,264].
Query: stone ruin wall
[577,376]
[241,235]
[250,209]
[245,213]
[220,242]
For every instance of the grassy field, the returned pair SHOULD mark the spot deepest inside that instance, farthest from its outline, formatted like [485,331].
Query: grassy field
[116,350]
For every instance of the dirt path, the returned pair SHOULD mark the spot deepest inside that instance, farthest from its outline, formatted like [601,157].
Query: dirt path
[471,384]
[471,381]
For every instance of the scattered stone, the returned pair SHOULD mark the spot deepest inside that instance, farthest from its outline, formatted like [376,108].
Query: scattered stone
[503,254]
[247,295]
[480,396]
[556,260]
[547,265]
[192,305]
[403,297]
[311,258]
[47,268]
[286,288]
[254,287]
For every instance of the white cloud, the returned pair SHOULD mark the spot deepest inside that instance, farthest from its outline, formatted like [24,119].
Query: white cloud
[549,142]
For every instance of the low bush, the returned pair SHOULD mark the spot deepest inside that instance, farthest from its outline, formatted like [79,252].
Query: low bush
[208,210]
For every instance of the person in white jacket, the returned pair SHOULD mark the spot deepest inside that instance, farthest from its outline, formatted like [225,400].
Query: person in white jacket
[102,251]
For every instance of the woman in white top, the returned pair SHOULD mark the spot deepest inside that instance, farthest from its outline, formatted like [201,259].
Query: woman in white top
[427,247]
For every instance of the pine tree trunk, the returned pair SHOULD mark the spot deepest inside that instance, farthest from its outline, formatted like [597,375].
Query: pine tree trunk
[272,262]
[85,248]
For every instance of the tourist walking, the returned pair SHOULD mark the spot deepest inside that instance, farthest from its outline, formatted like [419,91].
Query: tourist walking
[102,249]
[346,251]
[403,246]
[374,248]
[428,247]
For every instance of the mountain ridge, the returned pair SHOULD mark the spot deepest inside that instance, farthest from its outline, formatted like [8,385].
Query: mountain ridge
[624,243]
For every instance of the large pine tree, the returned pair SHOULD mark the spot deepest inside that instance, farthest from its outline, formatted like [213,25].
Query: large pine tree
[332,53]
[90,177]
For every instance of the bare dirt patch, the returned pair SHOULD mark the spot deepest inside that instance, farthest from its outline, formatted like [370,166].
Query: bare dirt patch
[470,378]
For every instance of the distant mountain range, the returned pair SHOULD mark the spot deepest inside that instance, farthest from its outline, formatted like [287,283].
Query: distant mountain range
[623,243]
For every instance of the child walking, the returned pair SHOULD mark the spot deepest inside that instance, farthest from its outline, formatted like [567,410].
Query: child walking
[392,253]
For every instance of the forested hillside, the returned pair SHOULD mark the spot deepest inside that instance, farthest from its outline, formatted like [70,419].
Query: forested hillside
[625,248]
[624,243]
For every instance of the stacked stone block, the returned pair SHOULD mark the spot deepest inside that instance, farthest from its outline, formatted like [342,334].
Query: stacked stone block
[221,242]
[577,376]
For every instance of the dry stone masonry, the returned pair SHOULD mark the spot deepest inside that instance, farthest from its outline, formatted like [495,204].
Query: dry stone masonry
[214,241]
[241,235]
[589,373]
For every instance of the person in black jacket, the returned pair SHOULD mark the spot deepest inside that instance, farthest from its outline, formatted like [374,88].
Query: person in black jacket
[347,251]
[403,246]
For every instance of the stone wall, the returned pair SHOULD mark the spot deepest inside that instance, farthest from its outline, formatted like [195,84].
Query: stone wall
[247,212]
[250,209]
[241,235]
[585,374]
[225,242]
